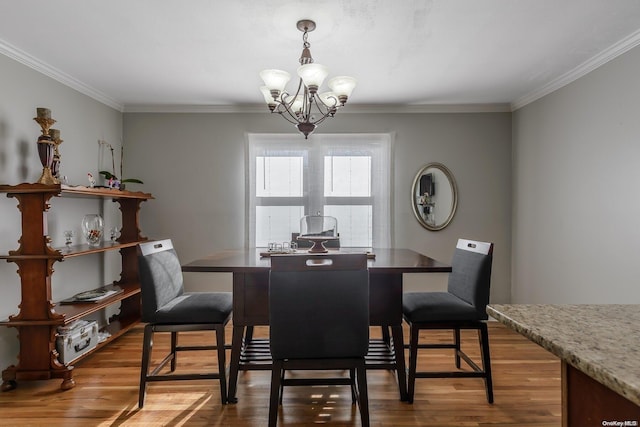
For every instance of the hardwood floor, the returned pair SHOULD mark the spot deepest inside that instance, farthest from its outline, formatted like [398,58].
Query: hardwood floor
[526,387]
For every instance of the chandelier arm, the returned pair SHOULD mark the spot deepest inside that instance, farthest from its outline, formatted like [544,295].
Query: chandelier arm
[307,99]
[321,119]
[289,115]
[285,114]
[330,107]
[300,86]
[287,105]
[283,109]
[322,111]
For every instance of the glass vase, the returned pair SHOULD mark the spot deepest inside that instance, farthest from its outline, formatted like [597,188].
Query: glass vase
[93,228]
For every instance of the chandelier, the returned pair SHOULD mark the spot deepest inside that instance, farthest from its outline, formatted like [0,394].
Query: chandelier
[307,108]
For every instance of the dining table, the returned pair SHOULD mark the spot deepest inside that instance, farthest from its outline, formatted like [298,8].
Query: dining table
[250,283]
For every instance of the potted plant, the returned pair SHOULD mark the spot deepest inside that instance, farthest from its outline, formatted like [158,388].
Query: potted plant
[112,179]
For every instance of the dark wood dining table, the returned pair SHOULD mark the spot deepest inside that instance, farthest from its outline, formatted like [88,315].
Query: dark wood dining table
[250,269]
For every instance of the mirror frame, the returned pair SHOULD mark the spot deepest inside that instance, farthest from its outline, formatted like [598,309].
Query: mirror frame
[454,196]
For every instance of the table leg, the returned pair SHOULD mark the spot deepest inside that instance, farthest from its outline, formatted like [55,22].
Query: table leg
[236,349]
[385,335]
[398,345]
[248,336]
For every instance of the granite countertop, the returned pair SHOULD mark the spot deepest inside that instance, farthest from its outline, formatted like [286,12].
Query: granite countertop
[601,340]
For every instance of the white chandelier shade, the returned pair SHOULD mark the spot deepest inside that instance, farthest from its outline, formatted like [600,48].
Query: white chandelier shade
[342,86]
[268,98]
[313,75]
[275,80]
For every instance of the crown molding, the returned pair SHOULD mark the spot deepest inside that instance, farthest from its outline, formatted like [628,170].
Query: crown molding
[428,108]
[581,70]
[351,108]
[597,61]
[42,67]
[187,108]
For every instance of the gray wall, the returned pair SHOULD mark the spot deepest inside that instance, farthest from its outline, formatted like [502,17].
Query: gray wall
[82,121]
[194,164]
[576,211]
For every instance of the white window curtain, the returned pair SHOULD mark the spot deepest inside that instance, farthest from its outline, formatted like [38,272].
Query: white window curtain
[347,176]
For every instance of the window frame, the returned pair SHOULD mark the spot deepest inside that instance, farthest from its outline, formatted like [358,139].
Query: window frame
[378,146]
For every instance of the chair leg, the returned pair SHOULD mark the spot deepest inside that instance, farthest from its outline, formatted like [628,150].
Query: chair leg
[363,395]
[456,342]
[174,353]
[486,360]
[236,349]
[147,344]
[221,363]
[413,362]
[401,370]
[276,374]
[354,394]
[281,391]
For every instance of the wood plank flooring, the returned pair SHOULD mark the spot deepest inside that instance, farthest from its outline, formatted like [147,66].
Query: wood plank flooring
[526,388]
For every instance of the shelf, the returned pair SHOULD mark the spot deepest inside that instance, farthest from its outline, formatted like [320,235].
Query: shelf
[38,317]
[85,249]
[31,257]
[75,191]
[76,311]
[75,250]
[117,328]
[108,193]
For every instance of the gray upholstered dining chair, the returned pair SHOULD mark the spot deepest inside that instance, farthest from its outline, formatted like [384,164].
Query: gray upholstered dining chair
[319,320]
[463,306]
[166,307]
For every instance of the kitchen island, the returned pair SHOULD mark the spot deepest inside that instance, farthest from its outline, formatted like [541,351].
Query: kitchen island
[598,347]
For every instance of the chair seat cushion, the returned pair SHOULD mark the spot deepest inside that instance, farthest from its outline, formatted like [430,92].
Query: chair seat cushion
[196,307]
[425,307]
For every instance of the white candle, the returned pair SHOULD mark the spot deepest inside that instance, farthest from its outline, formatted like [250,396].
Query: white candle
[43,113]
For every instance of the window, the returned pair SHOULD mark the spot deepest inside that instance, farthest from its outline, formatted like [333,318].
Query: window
[345,176]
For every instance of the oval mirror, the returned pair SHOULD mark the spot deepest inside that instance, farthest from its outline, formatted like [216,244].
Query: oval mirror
[434,196]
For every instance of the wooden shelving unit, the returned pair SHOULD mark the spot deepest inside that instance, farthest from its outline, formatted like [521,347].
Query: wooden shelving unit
[39,316]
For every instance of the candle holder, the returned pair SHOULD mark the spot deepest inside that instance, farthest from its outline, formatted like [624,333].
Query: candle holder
[55,164]
[46,146]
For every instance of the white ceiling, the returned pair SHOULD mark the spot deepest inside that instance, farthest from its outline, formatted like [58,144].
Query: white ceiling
[140,55]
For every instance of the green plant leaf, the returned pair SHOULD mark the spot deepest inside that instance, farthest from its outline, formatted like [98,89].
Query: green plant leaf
[137,181]
[108,175]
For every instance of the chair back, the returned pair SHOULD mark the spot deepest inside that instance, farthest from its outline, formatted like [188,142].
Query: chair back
[470,279]
[160,276]
[319,306]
